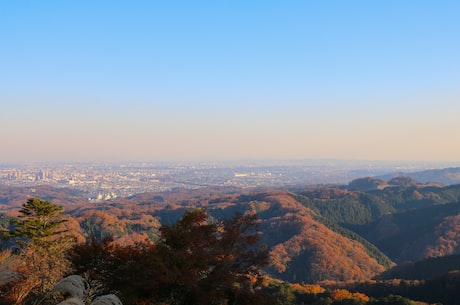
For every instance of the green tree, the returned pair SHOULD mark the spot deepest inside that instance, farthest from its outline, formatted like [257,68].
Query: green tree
[39,221]
[42,242]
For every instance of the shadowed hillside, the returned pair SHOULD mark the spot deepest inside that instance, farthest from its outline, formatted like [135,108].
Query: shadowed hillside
[418,234]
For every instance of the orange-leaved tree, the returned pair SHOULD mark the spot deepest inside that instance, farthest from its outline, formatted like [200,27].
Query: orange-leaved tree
[196,261]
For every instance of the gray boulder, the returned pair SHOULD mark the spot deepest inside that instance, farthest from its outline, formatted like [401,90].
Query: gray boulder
[72,301]
[109,299]
[73,286]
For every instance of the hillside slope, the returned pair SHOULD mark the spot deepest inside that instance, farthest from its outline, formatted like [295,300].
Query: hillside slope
[418,234]
[304,249]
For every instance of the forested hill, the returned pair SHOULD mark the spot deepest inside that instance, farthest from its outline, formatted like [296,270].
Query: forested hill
[329,233]
[405,223]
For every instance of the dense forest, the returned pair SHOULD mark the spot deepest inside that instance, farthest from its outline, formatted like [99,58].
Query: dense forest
[372,241]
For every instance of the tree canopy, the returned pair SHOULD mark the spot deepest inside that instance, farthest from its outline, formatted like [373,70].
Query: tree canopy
[38,220]
[196,261]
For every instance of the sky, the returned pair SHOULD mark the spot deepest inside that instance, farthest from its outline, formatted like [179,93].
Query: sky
[185,80]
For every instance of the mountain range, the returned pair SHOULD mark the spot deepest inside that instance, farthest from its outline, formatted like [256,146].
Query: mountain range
[352,232]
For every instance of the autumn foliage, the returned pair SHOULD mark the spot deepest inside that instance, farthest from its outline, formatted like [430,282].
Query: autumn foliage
[196,261]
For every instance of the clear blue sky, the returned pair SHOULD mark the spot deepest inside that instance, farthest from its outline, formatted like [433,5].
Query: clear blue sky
[155,80]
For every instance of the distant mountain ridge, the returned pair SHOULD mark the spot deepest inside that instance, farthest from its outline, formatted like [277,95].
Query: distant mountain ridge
[447,176]
[371,183]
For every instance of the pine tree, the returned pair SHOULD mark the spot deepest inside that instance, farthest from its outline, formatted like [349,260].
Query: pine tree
[39,221]
[42,243]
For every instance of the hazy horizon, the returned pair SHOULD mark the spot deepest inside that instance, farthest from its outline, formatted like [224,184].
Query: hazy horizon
[145,81]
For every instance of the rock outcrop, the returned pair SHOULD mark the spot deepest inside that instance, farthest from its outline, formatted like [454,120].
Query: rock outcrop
[74,290]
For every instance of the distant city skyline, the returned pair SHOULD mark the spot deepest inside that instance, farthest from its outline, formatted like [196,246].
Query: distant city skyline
[230,80]
[105,181]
